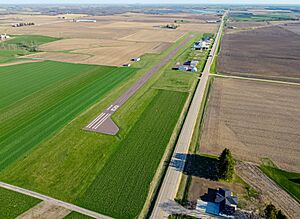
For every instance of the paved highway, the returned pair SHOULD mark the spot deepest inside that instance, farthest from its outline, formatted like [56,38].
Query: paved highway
[54,201]
[173,176]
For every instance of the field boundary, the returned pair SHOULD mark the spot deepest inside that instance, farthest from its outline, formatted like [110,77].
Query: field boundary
[53,201]
[256,79]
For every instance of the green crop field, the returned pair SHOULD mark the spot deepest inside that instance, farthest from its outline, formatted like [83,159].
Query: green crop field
[69,163]
[40,98]
[13,204]
[287,180]
[75,215]
[37,39]
[121,187]
[261,17]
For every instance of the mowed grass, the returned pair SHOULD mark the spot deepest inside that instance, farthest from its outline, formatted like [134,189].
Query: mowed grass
[121,187]
[287,180]
[13,204]
[40,103]
[76,215]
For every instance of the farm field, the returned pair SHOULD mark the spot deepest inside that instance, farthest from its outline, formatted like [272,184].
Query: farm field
[252,53]
[254,120]
[86,154]
[115,39]
[121,192]
[21,45]
[287,180]
[13,204]
[294,27]
[58,93]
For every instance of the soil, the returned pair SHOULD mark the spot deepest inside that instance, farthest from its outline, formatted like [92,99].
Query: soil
[271,52]
[254,120]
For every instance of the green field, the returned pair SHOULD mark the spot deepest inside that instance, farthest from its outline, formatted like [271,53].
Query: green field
[69,163]
[41,98]
[75,215]
[20,45]
[13,204]
[260,17]
[287,180]
[122,185]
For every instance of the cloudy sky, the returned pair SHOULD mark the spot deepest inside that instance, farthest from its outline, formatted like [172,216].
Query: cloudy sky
[150,1]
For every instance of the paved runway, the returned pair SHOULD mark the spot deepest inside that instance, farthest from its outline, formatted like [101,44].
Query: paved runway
[103,122]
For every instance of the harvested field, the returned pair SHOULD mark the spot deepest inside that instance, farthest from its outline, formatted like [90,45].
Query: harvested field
[255,120]
[45,210]
[112,40]
[170,36]
[294,27]
[59,56]
[253,53]
[96,51]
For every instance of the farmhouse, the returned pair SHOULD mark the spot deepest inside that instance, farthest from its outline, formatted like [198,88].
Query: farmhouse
[187,66]
[202,45]
[218,202]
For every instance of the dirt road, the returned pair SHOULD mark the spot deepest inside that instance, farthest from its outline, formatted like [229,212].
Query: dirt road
[270,190]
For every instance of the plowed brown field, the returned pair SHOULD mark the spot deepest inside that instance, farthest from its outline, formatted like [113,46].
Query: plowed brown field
[255,120]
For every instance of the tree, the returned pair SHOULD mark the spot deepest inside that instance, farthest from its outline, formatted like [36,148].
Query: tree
[270,212]
[226,165]
[280,215]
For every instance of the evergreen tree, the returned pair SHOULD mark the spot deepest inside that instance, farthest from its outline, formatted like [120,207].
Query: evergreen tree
[270,212]
[226,165]
[280,215]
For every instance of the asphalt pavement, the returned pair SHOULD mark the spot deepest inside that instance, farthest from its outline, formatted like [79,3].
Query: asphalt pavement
[172,179]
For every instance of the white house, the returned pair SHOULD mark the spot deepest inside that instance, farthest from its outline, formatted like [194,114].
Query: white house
[4,37]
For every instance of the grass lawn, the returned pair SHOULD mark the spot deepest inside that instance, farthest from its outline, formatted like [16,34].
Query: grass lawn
[121,187]
[40,98]
[13,204]
[287,180]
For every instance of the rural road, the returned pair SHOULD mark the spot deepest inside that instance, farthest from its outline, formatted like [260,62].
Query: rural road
[54,201]
[103,122]
[173,175]
[251,174]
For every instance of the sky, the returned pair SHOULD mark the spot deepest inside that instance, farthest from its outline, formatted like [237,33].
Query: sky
[149,1]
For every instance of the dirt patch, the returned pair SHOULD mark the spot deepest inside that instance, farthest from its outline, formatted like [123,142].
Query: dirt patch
[255,120]
[265,52]
[270,191]
[45,210]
